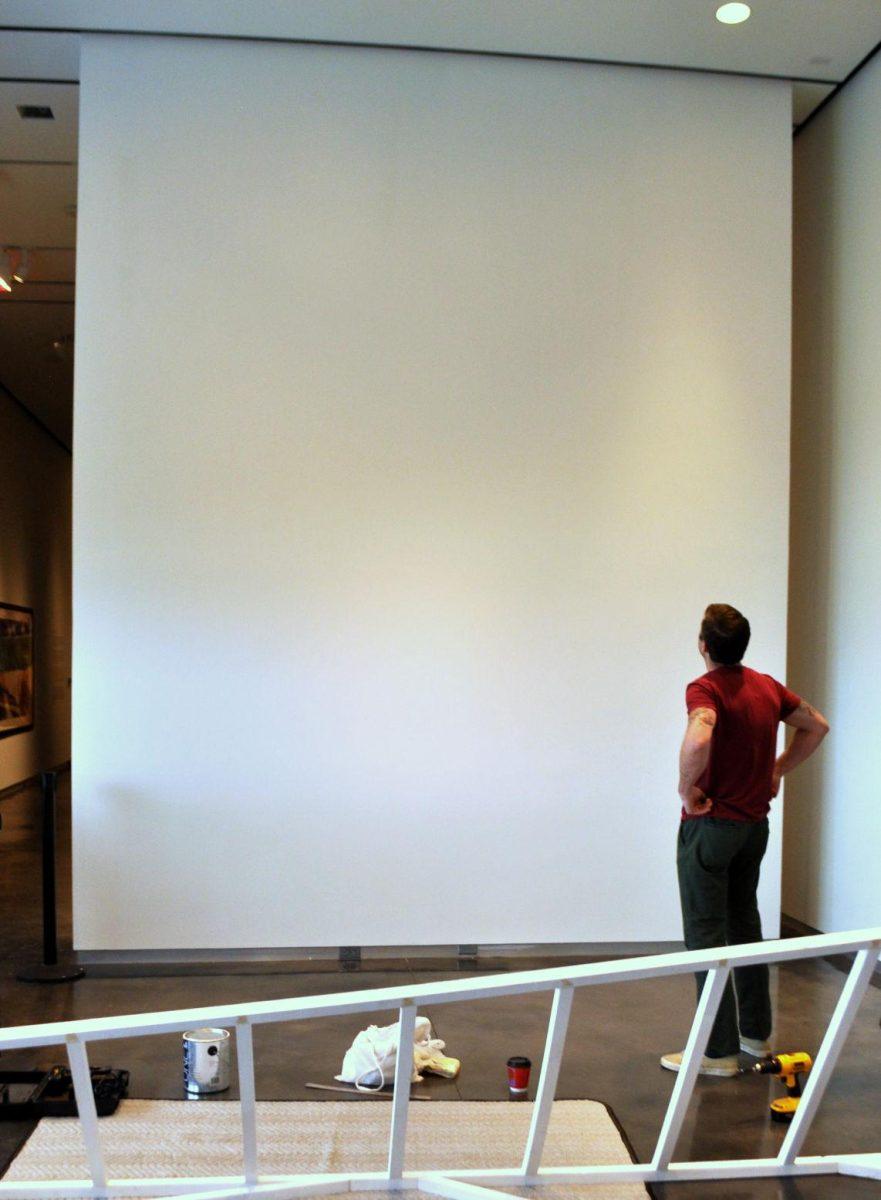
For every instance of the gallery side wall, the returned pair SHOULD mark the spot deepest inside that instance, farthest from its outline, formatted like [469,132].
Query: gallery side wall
[35,479]
[423,401]
[833,818]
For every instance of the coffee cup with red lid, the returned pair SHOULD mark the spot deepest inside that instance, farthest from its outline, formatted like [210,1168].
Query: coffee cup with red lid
[518,1075]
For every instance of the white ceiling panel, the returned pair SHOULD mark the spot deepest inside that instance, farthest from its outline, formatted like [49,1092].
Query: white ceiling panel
[821,40]
[38,55]
[39,140]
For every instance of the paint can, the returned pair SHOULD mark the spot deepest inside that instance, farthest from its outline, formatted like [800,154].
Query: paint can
[206,1060]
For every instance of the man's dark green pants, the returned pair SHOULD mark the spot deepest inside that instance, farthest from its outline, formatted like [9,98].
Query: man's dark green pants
[718,863]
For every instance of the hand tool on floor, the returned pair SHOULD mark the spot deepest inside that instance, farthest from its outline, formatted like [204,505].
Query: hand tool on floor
[790,1068]
[29,1095]
[351,1091]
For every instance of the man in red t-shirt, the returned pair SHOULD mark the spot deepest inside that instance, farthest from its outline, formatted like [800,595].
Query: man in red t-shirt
[728,774]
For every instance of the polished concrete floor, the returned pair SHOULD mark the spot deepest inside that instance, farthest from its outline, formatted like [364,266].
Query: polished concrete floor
[615,1037]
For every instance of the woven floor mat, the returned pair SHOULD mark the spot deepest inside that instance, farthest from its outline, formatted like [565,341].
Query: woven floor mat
[165,1138]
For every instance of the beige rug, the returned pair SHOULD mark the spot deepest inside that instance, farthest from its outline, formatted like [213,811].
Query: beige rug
[161,1138]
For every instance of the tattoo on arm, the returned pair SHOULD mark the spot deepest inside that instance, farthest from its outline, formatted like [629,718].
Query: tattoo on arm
[807,709]
[701,716]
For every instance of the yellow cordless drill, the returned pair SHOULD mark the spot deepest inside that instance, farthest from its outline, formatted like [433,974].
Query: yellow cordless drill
[790,1068]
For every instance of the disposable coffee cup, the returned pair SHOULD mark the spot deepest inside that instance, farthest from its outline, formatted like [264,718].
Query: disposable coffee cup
[518,1075]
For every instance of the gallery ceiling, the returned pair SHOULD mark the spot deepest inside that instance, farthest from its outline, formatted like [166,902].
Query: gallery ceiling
[815,44]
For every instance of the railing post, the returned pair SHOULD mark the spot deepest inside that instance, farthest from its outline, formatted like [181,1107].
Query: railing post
[85,1106]
[845,1011]
[401,1100]
[247,1097]
[550,1073]
[689,1068]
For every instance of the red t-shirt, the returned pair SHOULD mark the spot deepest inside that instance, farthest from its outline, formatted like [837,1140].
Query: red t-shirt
[748,707]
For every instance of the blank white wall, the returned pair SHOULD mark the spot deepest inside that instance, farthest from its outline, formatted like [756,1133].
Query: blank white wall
[833,820]
[423,402]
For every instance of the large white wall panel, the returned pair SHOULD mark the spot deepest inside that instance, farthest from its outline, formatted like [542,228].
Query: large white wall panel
[423,401]
[833,818]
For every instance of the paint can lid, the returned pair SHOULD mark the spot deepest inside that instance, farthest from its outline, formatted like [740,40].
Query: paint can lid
[206,1035]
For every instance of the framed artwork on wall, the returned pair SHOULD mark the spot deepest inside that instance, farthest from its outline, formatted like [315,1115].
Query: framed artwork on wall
[16,669]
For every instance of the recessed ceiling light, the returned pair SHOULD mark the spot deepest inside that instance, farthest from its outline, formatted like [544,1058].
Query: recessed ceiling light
[733,14]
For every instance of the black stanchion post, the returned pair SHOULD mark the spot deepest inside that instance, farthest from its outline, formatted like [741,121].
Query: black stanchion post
[49,787]
[50,970]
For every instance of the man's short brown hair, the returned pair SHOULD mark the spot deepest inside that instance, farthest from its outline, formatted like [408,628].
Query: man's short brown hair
[725,633]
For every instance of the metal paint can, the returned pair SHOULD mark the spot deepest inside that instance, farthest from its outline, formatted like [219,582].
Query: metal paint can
[206,1060]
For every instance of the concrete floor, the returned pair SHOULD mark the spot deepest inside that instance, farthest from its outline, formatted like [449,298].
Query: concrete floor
[615,1037]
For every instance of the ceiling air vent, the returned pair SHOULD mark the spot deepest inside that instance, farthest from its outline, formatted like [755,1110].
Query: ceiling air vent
[35,112]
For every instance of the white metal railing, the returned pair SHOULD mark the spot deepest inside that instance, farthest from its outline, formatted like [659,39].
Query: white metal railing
[471,1184]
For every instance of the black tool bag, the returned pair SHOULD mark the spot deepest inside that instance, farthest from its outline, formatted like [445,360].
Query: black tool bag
[31,1094]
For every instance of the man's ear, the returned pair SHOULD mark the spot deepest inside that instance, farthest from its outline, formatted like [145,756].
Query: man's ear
[701,646]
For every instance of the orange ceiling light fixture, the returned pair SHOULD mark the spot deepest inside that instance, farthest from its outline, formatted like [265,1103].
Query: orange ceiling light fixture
[5,271]
[21,266]
[13,267]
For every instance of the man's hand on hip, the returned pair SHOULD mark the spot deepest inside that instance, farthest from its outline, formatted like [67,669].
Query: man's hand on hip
[695,802]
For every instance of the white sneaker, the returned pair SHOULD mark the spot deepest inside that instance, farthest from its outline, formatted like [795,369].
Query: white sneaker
[755,1047]
[727,1066]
